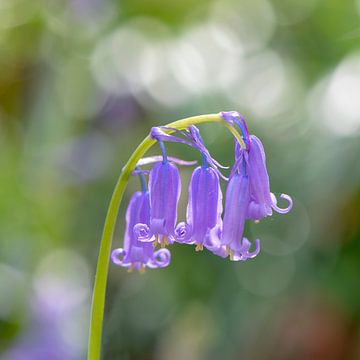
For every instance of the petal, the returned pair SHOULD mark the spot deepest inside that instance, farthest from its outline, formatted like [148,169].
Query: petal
[237,202]
[244,253]
[205,202]
[259,178]
[258,211]
[138,211]
[280,210]
[164,188]
[213,243]
[115,256]
[143,233]
[161,258]
[183,233]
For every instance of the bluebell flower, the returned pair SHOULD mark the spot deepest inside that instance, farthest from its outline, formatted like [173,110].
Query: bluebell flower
[231,240]
[164,190]
[136,254]
[262,201]
[152,214]
[204,207]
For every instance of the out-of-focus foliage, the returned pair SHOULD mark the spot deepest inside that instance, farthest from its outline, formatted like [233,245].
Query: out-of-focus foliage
[82,82]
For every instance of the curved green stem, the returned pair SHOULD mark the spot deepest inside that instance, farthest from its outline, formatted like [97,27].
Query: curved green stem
[98,299]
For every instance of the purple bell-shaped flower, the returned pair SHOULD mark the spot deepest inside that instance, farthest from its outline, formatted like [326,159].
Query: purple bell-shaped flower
[136,254]
[164,189]
[236,205]
[204,207]
[262,201]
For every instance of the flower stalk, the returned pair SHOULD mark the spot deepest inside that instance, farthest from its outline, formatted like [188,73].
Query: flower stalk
[99,291]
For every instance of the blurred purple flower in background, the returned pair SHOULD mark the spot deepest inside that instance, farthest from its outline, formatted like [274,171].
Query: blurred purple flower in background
[58,304]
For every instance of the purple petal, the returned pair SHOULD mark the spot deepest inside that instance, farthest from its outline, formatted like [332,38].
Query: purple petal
[160,259]
[183,233]
[237,201]
[244,254]
[259,181]
[136,254]
[138,211]
[143,233]
[280,210]
[115,256]
[205,202]
[213,242]
[165,188]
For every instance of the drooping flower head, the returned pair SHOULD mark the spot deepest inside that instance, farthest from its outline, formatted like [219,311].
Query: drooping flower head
[136,254]
[262,201]
[204,205]
[152,214]
[164,191]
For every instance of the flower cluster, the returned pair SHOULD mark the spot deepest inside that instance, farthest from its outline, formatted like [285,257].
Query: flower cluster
[151,216]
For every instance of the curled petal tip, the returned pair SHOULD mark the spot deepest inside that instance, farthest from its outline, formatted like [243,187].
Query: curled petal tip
[142,233]
[160,259]
[282,210]
[253,254]
[244,253]
[182,233]
[115,256]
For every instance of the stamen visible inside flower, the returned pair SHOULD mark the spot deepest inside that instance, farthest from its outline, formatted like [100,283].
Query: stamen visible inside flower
[142,268]
[228,251]
[131,268]
[163,241]
[199,247]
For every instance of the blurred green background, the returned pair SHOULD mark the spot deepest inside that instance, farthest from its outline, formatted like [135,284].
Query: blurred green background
[83,81]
